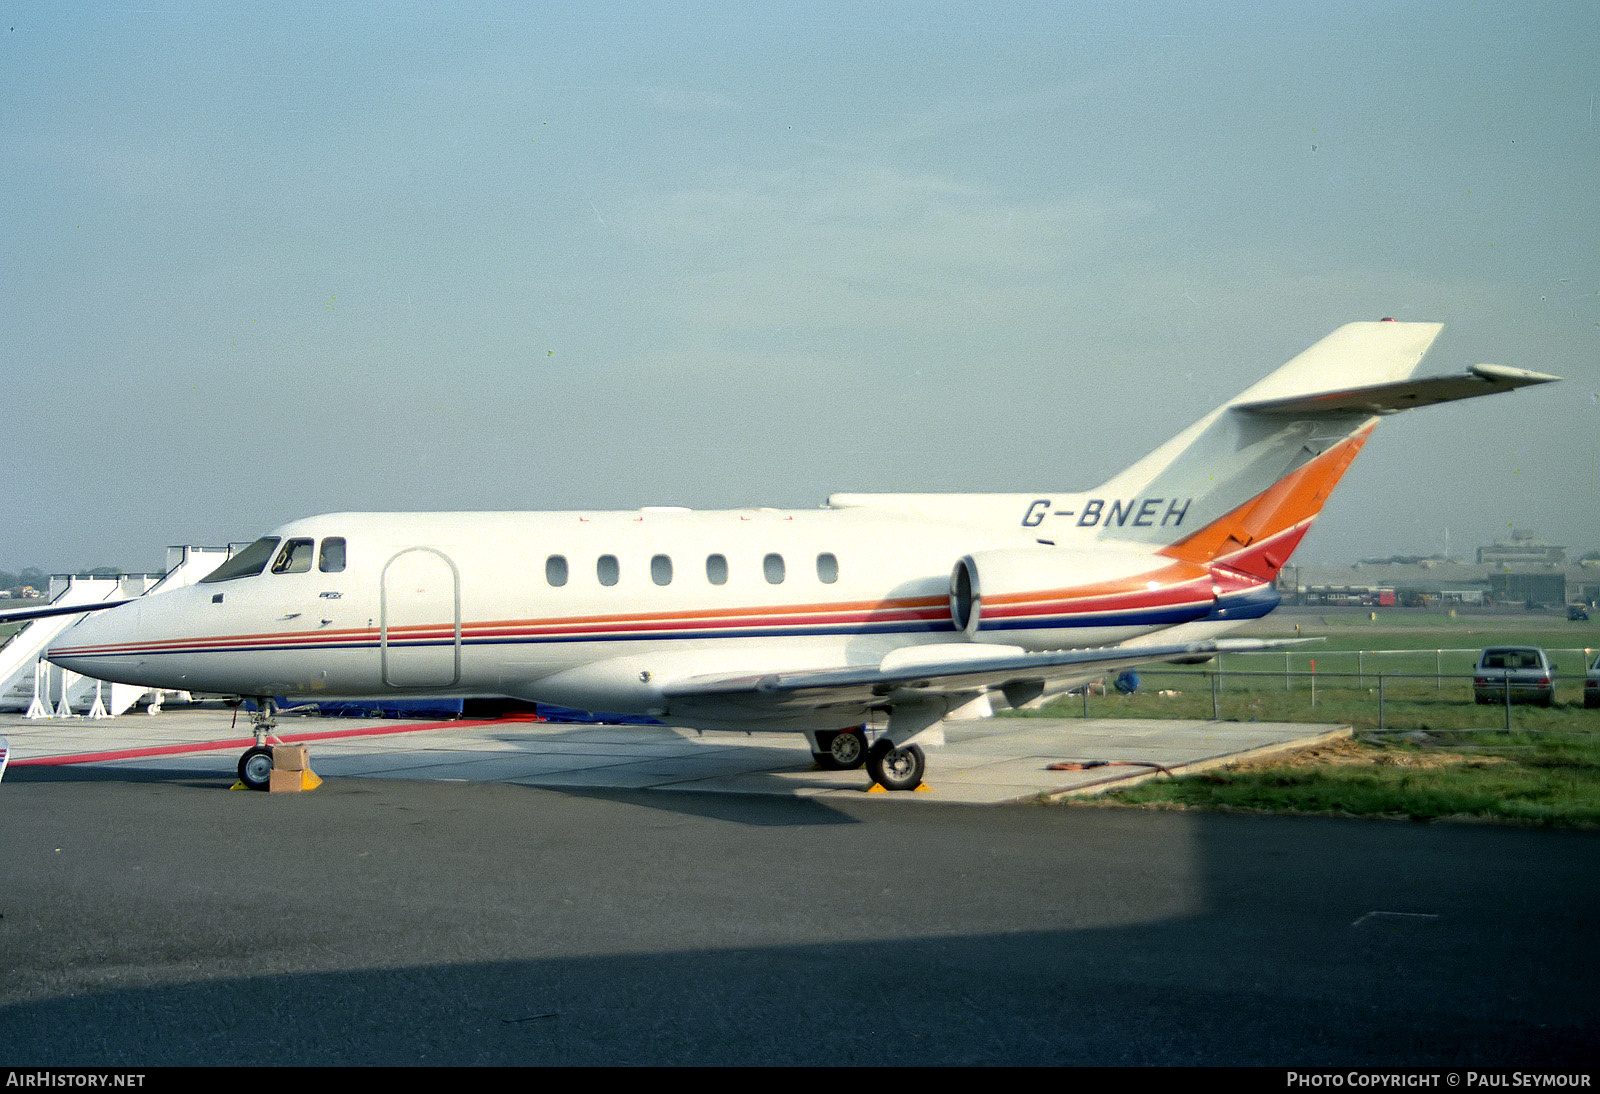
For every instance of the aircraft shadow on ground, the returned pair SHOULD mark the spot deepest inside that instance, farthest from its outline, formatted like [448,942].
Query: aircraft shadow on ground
[1115,997]
[734,807]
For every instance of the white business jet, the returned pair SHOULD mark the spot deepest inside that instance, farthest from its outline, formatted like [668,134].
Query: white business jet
[863,624]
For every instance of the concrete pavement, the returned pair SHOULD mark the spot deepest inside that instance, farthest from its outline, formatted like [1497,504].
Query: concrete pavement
[990,761]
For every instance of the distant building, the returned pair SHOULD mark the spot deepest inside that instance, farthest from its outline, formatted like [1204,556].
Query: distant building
[1427,582]
[1535,590]
[1424,583]
[1525,547]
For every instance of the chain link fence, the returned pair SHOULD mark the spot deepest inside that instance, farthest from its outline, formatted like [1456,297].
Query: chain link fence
[1292,685]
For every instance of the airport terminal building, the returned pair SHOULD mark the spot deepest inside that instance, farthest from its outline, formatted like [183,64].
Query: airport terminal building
[1525,573]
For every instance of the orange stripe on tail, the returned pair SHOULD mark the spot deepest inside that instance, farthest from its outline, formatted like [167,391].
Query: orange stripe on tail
[1287,505]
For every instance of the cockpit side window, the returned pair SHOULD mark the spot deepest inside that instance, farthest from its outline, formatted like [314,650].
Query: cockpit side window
[295,558]
[331,559]
[247,563]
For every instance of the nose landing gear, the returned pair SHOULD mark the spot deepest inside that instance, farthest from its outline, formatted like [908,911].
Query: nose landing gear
[259,761]
[255,766]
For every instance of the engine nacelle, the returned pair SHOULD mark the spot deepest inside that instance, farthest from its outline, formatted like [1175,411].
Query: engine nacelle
[1053,597]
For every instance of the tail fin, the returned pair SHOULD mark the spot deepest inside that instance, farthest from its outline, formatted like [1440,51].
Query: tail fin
[1253,474]
[1240,487]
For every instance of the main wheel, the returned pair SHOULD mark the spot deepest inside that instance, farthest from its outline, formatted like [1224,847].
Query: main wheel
[255,768]
[844,751]
[849,749]
[896,768]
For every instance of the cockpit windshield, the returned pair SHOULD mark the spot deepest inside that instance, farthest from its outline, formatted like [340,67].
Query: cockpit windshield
[247,563]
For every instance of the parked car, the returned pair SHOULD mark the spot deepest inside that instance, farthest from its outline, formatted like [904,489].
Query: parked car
[1591,685]
[1525,670]
[1577,613]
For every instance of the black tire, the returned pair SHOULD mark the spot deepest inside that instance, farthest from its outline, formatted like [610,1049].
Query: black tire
[842,751]
[849,749]
[255,768]
[896,768]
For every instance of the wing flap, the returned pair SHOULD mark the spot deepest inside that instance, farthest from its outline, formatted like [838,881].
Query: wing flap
[964,674]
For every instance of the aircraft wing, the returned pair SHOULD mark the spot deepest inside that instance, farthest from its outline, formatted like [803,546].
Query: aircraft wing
[1404,395]
[952,670]
[17,615]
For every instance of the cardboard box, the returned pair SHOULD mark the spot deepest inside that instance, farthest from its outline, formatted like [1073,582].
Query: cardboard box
[286,780]
[290,758]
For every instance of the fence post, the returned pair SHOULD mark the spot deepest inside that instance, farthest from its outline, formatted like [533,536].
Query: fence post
[1216,716]
[1380,700]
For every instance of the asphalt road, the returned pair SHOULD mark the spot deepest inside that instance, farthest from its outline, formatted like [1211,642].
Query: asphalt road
[152,918]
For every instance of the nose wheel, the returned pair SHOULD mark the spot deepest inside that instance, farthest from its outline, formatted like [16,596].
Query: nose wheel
[255,768]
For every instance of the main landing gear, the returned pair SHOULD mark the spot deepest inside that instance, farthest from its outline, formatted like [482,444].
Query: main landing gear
[891,768]
[896,768]
[842,751]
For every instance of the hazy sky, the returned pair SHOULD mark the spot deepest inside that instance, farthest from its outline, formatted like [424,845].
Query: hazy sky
[266,260]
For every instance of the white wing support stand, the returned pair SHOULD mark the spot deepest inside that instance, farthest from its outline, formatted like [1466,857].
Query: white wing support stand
[98,710]
[41,688]
[64,709]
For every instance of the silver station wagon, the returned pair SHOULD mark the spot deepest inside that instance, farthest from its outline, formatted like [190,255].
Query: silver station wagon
[1522,674]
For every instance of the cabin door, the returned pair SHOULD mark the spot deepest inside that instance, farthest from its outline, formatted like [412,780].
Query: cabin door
[420,637]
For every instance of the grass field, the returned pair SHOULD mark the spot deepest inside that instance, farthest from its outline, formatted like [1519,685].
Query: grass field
[1424,748]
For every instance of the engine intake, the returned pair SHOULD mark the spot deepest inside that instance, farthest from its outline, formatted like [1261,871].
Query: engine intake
[1001,595]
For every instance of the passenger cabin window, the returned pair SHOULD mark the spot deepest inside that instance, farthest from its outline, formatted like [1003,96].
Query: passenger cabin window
[555,570]
[661,570]
[772,567]
[717,569]
[331,559]
[247,563]
[607,570]
[827,568]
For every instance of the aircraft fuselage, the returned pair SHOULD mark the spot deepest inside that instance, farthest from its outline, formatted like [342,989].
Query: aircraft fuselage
[598,610]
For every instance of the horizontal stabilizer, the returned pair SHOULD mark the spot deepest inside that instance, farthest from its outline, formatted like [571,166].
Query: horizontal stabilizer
[1404,395]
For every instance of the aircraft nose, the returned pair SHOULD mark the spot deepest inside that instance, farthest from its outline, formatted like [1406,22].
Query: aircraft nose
[99,645]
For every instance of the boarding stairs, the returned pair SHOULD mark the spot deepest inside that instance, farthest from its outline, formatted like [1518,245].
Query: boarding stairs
[30,683]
